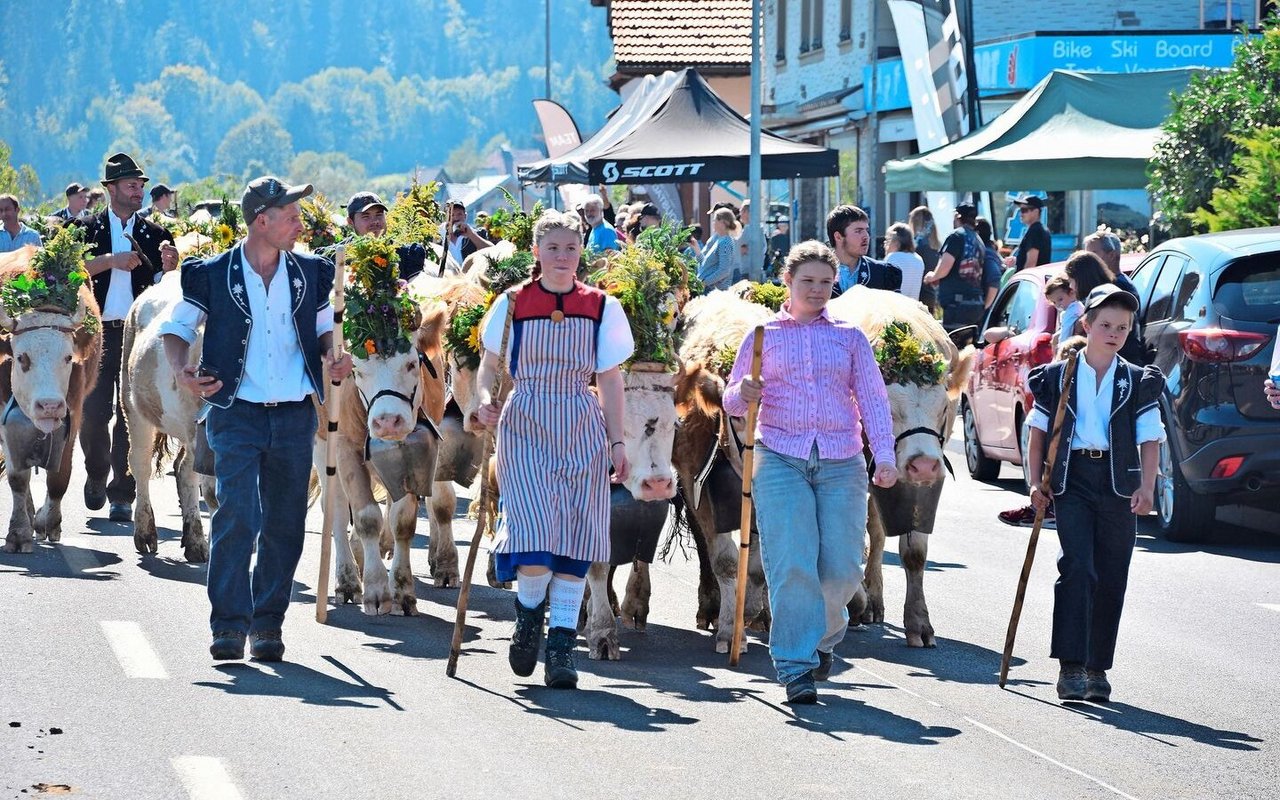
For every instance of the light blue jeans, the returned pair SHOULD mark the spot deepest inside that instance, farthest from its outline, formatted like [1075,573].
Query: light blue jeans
[812,518]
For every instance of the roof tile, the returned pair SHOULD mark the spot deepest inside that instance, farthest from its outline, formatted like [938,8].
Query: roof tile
[681,33]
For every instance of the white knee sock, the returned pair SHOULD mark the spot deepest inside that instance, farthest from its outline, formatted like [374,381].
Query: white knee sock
[532,589]
[566,601]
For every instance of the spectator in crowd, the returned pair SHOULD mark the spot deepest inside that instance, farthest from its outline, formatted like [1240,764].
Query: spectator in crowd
[649,216]
[77,200]
[13,232]
[1062,295]
[1106,246]
[900,251]
[693,247]
[367,216]
[600,234]
[849,235]
[1036,246]
[461,240]
[1271,386]
[97,199]
[1088,272]
[162,198]
[963,292]
[992,265]
[482,226]
[928,243]
[720,266]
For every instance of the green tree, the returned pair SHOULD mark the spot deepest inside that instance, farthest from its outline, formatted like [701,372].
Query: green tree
[19,181]
[466,159]
[337,175]
[1208,121]
[256,146]
[1250,200]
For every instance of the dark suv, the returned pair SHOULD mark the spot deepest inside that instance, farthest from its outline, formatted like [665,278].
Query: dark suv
[1209,309]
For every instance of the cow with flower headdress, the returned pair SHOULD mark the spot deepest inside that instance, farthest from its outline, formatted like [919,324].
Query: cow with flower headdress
[388,429]
[923,372]
[50,346]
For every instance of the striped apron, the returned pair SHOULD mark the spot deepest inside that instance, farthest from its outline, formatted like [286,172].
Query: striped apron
[553,457]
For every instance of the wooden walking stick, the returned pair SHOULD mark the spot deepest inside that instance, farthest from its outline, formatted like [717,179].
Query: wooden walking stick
[744,531]
[1045,484]
[330,453]
[486,489]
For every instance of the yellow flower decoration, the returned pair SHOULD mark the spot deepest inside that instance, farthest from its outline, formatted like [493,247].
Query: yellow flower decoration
[473,339]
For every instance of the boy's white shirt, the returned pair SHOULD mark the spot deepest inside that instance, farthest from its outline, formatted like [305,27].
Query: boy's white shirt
[1093,409]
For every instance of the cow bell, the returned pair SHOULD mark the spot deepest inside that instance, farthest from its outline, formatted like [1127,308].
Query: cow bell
[409,465]
[26,445]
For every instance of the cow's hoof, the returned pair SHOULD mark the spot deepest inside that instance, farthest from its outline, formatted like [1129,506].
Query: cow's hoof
[377,607]
[605,648]
[445,578]
[921,638]
[145,543]
[12,545]
[874,613]
[722,645]
[196,551]
[348,594]
[406,606]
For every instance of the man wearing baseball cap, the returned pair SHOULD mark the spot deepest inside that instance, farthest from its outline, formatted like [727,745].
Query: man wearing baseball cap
[367,216]
[162,198]
[268,348]
[1036,246]
[460,239]
[77,200]
[964,290]
[128,254]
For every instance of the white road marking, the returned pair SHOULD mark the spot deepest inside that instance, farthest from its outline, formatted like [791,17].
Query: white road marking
[132,650]
[899,687]
[1270,606]
[205,778]
[1053,761]
[79,559]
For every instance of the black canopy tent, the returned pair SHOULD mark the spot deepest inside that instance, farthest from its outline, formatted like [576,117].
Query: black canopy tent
[676,129]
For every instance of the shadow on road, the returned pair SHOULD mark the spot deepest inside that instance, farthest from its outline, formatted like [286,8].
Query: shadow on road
[593,705]
[173,569]
[1227,539]
[57,560]
[952,661]
[1153,725]
[835,714]
[285,679]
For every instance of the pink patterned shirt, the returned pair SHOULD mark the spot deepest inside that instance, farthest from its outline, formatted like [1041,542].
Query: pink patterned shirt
[821,384]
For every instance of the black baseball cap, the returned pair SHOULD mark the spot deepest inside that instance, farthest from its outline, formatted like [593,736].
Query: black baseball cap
[650,210]
[967,210]
[159,190]
[362,201]
[75,188]
[269,192]
[1101,295]
[453,201]
[1030,201]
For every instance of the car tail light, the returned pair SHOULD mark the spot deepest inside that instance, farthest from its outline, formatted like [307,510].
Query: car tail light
[1042,350]
[1227,467]
[1219,344]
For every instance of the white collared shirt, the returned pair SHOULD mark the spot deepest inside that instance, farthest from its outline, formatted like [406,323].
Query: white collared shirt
[1093,409]
[120,285]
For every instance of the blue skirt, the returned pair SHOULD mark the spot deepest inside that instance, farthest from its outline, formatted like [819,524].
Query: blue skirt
[505,564]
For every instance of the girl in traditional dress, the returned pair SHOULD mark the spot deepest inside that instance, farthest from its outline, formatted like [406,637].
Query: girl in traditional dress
[556,441]
[819,388]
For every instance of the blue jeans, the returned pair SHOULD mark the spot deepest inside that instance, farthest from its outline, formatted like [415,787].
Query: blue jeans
[262,462]
[812,517]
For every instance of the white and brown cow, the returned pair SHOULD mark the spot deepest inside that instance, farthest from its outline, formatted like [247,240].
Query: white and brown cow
[383,400]
[48,363]
[708,460]
[158,410]
[922,421]
[649,427]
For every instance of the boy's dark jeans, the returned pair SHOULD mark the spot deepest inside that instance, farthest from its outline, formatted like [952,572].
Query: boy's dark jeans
[262,461]
[1096,531]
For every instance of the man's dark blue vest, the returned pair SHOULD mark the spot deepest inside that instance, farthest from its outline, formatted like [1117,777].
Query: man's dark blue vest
[1136,389]
[216,286]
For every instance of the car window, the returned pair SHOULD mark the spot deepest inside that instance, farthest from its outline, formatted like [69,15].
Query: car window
[1000,308]
[1186,306]
[1145,275]
[1249,289]
[1161,302]
[1022,306]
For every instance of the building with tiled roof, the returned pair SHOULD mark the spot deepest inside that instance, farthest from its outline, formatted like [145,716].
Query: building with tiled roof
[652,36]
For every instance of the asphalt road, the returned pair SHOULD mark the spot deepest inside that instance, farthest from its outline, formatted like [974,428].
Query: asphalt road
[108,689]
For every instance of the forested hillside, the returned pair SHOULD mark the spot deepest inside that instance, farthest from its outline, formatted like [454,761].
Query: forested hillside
[232,88]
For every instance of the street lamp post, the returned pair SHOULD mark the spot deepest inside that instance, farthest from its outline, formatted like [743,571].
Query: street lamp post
[755,257]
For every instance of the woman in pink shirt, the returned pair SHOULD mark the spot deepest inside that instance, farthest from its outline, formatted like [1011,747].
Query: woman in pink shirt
[819,386]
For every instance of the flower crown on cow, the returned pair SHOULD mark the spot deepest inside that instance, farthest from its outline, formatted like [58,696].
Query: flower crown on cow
[381,315]
[903,358]
[462,337]
[53,280]
[320,230]
[643,282]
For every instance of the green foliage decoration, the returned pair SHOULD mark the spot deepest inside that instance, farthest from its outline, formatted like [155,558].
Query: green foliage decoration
[462,338]
[769,295]
[641,282]
[501,274]
[415,217]
[53,280]
[1249,199]
[381,314]
[320,233]
[513,224]
[723,360]
[1200,138]
[904,359]
[666,242]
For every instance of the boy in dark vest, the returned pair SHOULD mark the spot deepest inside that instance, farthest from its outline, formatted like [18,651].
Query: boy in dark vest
[1103,477]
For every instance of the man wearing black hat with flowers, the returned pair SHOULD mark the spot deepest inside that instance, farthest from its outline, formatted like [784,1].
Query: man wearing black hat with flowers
[1036,246]
[367,216]
[267,348]
[129,253]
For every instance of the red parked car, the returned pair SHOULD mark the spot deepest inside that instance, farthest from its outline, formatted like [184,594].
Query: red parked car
[996,400]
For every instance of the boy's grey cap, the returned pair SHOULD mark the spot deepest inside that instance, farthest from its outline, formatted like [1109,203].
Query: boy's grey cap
[1107,291]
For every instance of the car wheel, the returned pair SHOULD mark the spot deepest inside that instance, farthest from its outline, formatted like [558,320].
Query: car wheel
[1184,515]
[981,468]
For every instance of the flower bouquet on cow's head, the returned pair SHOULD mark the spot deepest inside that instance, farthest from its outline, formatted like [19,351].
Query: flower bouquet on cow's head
[51,282]
[462,337]
[905,359]
[205,238]
[512,224]
[642,283]
[381,315]
[320,231]
[667,243]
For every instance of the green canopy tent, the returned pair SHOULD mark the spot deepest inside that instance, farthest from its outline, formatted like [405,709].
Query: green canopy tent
[1073,130]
